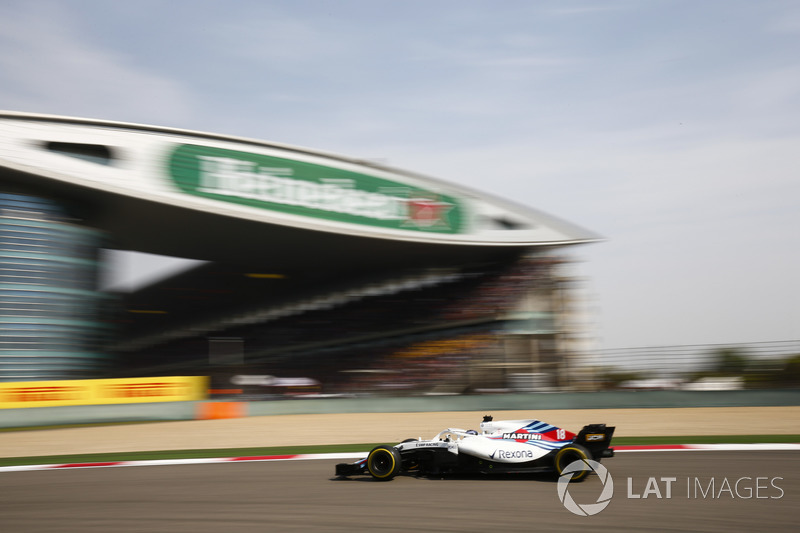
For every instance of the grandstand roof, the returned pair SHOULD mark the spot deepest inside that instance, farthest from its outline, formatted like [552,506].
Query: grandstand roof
[262,204]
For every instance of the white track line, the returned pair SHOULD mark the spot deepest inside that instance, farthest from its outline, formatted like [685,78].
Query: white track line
[360,455]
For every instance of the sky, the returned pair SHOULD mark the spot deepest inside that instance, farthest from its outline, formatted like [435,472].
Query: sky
[671,128]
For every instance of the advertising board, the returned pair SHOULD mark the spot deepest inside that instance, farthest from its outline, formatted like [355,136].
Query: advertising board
[102,391]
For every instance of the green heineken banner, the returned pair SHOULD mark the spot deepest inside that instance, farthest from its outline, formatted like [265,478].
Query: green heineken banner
[311,190]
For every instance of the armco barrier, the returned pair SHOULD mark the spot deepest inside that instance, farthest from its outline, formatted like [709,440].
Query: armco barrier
[94,414]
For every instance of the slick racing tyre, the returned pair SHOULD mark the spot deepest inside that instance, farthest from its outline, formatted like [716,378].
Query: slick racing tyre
[383,462]
[569,454]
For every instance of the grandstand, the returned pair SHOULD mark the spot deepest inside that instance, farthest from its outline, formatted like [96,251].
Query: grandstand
[356,277]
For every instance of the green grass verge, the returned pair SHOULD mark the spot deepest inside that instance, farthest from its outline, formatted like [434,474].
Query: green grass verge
[347,448]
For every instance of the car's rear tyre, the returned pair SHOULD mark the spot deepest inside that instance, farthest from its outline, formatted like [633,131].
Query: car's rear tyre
[383,462]
[569,454]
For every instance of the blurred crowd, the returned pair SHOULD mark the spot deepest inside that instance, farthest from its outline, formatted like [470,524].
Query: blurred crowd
[416,339]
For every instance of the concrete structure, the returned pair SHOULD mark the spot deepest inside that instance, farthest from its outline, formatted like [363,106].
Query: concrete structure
[332,229]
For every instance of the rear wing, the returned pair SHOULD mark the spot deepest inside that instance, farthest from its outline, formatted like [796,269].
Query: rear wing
[597,439]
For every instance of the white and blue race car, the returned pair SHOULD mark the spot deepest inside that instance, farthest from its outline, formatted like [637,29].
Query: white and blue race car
[502,447]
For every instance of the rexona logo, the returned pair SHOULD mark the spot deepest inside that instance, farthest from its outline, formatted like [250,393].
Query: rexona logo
[514,454]
[307,189]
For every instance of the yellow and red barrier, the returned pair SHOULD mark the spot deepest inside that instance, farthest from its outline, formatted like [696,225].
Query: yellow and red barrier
[102,391]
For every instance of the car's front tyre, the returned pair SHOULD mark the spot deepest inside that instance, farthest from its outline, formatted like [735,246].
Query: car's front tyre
[384,462]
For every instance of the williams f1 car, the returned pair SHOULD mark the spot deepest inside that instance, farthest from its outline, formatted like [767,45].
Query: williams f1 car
[502,447]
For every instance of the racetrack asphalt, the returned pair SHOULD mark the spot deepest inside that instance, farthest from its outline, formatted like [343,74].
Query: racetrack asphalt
[752,491]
